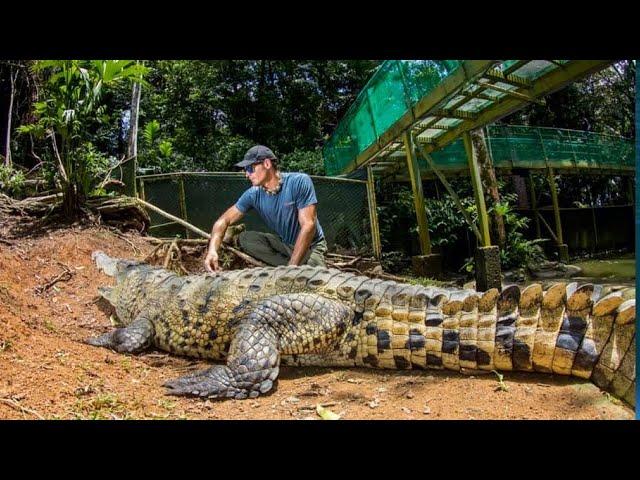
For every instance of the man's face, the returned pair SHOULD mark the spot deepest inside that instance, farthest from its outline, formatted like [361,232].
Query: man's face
[258,173]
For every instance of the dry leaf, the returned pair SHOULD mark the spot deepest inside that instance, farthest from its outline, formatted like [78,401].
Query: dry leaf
[326,414]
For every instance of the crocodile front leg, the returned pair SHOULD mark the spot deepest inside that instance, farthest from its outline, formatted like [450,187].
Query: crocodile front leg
[131,339]
[293,323]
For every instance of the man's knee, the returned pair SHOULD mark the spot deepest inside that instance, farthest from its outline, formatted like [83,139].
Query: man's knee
[316,258]
[316,261]
[248,238]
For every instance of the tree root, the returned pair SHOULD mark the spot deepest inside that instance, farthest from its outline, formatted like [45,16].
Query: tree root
[31,215]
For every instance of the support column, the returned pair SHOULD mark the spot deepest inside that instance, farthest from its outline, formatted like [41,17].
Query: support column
[183,202]
[631,193]
[427,264]
[563,249]
[487,257]
[534,205]
[141,190]
[373,214]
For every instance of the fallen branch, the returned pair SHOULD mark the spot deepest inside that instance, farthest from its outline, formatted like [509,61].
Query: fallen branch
[63,277]
[149,257]
[350,263]
[167,257]
[17,406]
[337,255]
[181,241]
[386,276]
[247,258]
[107,177]
[117,233]
[174,218]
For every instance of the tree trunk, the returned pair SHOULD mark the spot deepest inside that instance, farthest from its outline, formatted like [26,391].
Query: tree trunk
[7,151]
[72,197]
[70,201]
[490,183]
[132,148]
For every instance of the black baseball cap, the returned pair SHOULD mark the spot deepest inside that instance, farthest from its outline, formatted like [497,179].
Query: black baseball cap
[256,154]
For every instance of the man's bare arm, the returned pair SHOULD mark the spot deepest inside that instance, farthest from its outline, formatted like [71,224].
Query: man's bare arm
[231,216]
[307,219]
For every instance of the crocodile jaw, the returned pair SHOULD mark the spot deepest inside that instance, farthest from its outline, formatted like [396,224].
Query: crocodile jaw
[105,263]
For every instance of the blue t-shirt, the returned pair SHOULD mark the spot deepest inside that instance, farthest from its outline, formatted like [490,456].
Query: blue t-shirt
[280,212]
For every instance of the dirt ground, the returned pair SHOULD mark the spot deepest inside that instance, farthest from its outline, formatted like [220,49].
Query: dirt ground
[47,372]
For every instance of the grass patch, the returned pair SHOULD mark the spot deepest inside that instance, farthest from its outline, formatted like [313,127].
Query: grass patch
[101,407]
[427,282]
[50,326]
[502,387]
[166,404]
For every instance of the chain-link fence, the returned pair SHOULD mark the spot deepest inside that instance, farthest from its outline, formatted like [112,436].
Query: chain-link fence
[200,198]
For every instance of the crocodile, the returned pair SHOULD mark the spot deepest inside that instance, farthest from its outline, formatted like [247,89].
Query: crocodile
[260,318]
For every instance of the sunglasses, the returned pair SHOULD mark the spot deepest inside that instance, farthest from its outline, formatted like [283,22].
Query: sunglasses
[249,168]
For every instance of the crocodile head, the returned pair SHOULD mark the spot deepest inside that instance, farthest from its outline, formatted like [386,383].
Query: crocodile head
[133,280]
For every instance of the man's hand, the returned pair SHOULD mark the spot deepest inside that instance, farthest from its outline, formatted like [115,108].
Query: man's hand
[211,261]
[232,215]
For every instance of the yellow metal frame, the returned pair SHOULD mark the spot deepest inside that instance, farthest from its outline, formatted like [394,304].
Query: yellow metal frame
[418,195]
[483,75]
[373,214]
[556,209]
[474,169]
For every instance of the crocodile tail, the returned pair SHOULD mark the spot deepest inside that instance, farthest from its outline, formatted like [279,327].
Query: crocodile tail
[569,330]
[583,331]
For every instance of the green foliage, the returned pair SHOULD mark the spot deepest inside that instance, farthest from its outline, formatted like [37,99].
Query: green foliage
[603,102]
[213,111]
[157,151]
[305,161]
[11,180]
[71,109]
[230,152]
[150,132]
[446,224]
[518,251]
[395,261]
[393,211]
[445,221]
[95,164]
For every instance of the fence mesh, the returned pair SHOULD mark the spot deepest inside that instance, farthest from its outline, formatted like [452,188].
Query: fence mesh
[398,85]
[342,205]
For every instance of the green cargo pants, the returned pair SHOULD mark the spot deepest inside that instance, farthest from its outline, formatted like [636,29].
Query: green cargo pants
[272,251]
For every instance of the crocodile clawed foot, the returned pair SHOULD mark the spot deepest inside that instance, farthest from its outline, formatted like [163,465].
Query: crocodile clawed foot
[215,382]
[105,340]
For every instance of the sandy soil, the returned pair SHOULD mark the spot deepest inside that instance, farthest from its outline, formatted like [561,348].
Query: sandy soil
[46,371]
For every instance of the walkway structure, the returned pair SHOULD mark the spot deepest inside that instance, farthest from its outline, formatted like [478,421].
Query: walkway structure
[409,111]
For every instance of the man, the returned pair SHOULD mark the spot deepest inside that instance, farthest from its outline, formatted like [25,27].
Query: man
[287,204]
